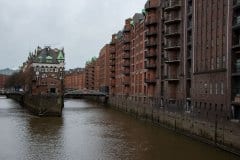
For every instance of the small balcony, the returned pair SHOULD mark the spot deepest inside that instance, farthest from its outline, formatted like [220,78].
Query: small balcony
[112,57]
[236,95]
[172,32]
[126,39]
[172,19]
[126,48]
[173,45]
[149,54]
[189,25]
[149,44]
[152,81]
[126,56]
[112,75]
[126,64]
[172,60]
[172,5]
[236,4]
[112,50]
[126,82]
[151,21]
[112,69]
[112,63]
[236,69]
[112,83]
[151,33]
[236,42]
[126,29]
[188,75]
[173,78]
[151,5]
[189,10]
[150,65]
[236,23]
[189,55]
[126,72]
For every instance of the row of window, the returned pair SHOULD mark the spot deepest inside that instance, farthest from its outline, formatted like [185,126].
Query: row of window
[217,88]
[209,107]
[37,69]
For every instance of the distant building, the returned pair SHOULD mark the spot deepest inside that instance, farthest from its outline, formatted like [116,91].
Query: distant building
[45,71]
[3,79]
[7,71]
[90,79]
[103,61]
[74,79]
[180,55]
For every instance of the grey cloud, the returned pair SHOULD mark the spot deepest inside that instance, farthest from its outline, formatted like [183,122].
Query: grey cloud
[82,27]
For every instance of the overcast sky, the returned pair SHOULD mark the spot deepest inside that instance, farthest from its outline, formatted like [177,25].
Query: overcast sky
[82,27]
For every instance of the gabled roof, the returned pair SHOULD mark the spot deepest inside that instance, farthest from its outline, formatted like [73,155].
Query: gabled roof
[60,56]
[48,55]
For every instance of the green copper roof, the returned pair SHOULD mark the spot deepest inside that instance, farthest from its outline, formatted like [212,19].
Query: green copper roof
[144,12]
[60,56]
[49,58]
[132,22]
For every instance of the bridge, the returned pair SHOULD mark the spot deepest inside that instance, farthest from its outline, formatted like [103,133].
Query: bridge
[2,92]
[82,93]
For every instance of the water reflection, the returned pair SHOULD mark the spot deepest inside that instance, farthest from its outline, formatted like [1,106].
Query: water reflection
[44,138]
[90,131]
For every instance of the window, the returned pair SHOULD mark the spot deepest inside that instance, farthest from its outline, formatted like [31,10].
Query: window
[211,87]
[212,65]
[216,88]
[223,61]
[222,88]
[218,63]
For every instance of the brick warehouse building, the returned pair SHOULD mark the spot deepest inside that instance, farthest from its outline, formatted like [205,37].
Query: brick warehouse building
[175,56]
[177,63]
[104,77]
[75,79]
[188,66]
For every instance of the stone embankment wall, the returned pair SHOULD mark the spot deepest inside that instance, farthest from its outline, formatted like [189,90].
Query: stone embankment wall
[223,134]
[39,104]
[16,96]
[44,105]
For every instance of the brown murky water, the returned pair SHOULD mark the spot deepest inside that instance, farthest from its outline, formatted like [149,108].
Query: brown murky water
[88,131]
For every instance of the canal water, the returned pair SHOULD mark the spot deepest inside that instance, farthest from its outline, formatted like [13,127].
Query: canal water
[89,131]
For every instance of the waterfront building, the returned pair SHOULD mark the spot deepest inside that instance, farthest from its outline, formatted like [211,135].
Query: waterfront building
[138,88]
[180,55]
[90,79]
[104,69]
[112,64]
[74,79]
[44,72]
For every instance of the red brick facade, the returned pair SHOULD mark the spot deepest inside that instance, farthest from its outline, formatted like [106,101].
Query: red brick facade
[104,76]
[3,79]
[90,79]
[75,79]
[181,55]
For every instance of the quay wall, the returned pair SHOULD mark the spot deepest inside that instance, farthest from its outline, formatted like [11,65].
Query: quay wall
[16,96]
[41,105]
[220,133]
[44,105]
